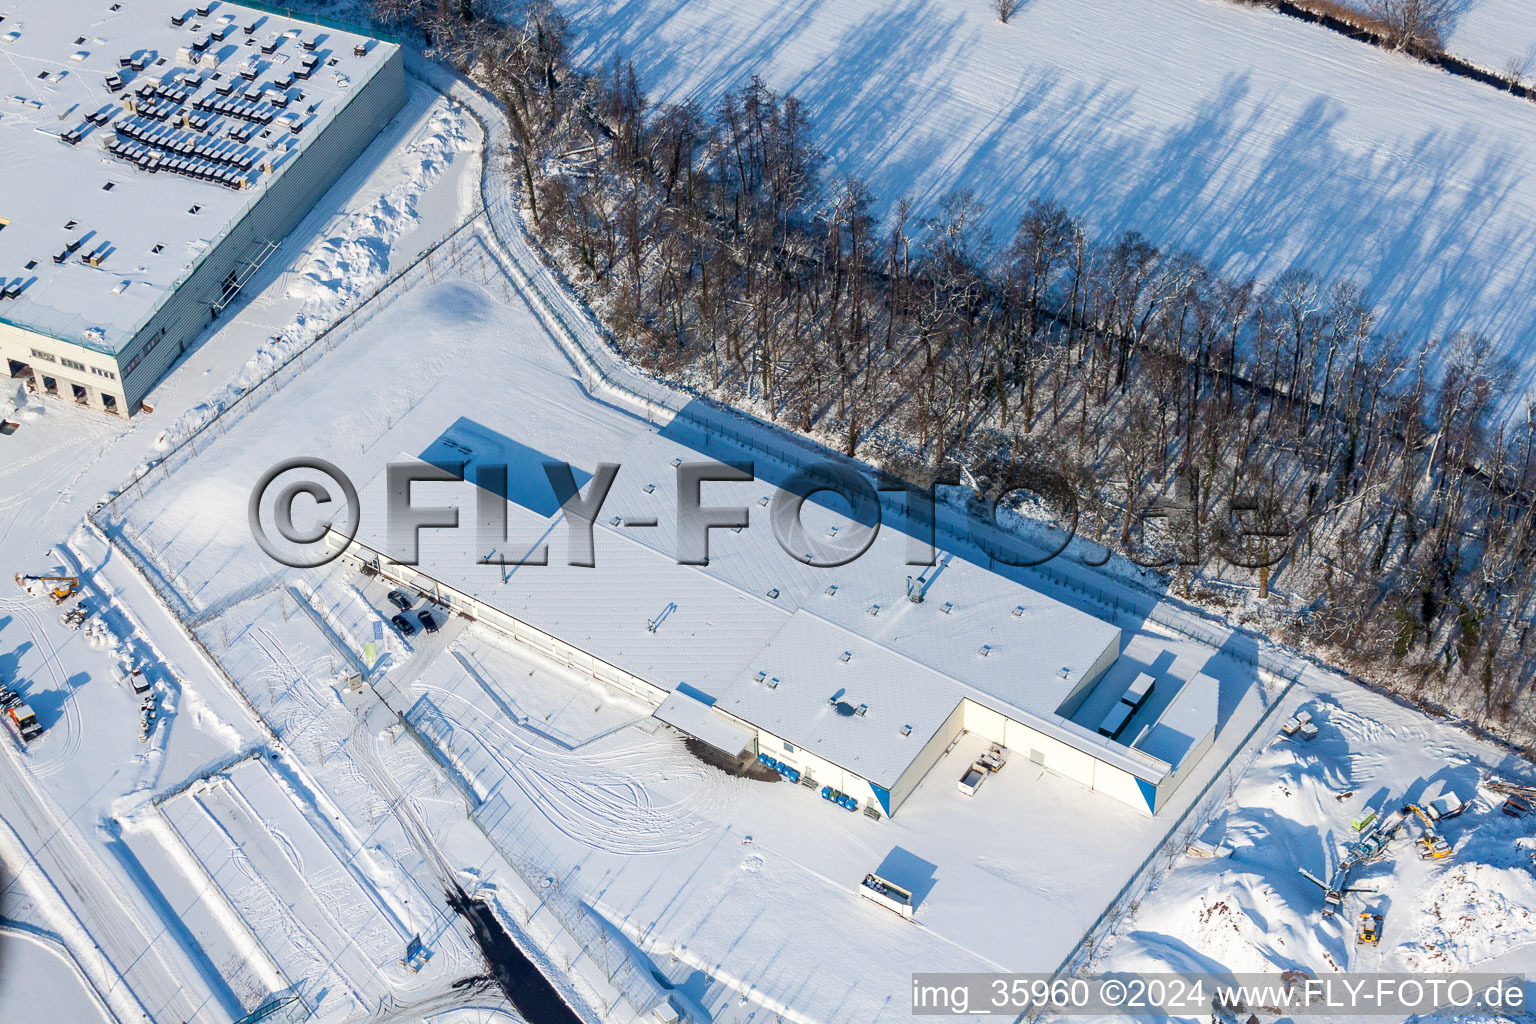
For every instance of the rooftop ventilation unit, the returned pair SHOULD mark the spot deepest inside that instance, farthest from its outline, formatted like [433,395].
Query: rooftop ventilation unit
[773,682]
[986,649]
[947,607]
[845,657]
[861,710]
[874,609]
[831,589]
[774,593]
[906,730]
[760,677]
[1018,611]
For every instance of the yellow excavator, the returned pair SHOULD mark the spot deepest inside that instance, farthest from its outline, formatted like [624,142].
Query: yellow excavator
[68,586]
[1430,838]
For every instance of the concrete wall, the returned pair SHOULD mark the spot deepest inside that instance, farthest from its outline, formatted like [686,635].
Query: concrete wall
[1192,757]
[1079,693]
[823,771]
[936,747]
[23,345]
[1057,755]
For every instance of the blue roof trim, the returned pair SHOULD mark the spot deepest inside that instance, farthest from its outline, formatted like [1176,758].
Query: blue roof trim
[1148,793]
[884,796]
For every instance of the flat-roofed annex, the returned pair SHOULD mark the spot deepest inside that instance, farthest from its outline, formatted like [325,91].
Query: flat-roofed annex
[95,242]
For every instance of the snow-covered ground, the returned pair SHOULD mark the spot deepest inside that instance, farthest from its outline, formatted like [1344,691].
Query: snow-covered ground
[284,831]
[33,967]
[1250,910]
[1250,138]
[1496,34]
[75,803]
[704,874]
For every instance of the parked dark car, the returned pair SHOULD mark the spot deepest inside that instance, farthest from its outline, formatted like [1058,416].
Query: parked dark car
[428,623]
[403,624]
[399,600]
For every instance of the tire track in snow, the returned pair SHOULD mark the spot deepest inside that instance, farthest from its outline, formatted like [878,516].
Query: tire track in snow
[594,799]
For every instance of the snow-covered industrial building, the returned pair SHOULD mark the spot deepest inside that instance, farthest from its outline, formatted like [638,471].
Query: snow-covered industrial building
[155,154]
[860,677]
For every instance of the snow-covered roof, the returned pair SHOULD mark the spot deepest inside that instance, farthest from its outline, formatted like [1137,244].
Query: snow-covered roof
[59,56]
[695,714]
[1187,720]
[757,609]
[1002,638]
[852,701]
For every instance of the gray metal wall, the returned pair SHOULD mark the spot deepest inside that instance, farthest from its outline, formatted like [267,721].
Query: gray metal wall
[286,201]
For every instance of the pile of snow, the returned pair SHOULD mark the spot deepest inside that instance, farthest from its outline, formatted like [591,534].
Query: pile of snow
[352,261]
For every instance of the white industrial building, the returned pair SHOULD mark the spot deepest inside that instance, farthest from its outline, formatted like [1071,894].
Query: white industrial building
[837,672]
[155,154]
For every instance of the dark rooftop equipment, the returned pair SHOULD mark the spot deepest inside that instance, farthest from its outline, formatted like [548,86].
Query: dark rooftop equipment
[360,50]
[178,20]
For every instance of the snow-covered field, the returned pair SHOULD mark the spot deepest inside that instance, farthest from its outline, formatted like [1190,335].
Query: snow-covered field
[1496,34]
[31,964]
[1250,138]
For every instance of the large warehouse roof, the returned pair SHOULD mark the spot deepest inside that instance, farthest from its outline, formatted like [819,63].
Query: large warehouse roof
[757,610]
[127,235]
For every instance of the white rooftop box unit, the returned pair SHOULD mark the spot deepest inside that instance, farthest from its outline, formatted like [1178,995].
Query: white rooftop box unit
[1116,719]
[1139,690]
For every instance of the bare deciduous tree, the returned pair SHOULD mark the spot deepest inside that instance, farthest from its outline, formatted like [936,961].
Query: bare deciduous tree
[1004,9]
[1415,24]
